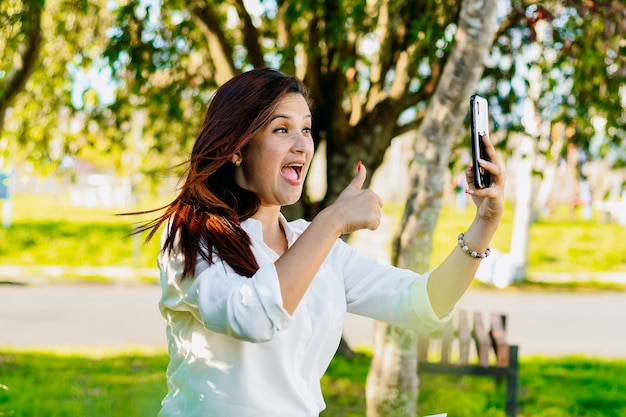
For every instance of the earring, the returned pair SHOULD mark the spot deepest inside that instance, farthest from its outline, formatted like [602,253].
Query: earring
[238,162]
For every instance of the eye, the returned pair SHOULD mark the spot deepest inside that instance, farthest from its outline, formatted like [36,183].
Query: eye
[280,130]
[307,130]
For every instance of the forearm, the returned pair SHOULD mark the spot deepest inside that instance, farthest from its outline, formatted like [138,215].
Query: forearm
[450,280]
[299,264]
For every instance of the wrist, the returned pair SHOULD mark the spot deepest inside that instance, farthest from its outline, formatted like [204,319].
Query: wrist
[328,222]
[470,251]
[478,236]
[483,226]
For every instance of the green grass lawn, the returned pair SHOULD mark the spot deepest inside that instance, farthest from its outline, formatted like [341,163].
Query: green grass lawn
[52,232]
[561,242]
[132,384]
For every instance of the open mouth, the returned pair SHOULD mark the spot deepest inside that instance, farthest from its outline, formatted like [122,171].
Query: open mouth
[292,172]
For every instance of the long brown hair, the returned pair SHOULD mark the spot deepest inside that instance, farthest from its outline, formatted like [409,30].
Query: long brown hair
[205,218]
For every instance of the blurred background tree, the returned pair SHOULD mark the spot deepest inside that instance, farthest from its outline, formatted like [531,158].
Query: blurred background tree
[371,66]
[20,47]
[47,48]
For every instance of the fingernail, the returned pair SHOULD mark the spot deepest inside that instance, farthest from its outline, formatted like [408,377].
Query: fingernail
[471,168]
[468,191]
[358,167]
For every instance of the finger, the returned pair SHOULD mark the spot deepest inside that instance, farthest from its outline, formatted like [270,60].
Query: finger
[489,147]
[469,176]
[492,162]
[359,179]
[493,168]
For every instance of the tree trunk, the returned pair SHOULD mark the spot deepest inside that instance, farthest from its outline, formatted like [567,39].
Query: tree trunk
[394,367]
[29,51]
[524,160]
[549,169]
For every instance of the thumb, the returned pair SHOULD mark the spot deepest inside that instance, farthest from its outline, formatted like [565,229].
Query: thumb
[359,179]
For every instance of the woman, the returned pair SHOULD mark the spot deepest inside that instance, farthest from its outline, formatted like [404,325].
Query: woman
[254,304]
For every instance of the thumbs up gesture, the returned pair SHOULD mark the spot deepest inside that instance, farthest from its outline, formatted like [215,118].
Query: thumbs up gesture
[357,208]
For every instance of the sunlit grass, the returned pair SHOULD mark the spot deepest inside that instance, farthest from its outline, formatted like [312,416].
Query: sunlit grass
[76,384]
[53,208]
[49,231]
[561,242]
[75,243]
[132,384]
[561,245]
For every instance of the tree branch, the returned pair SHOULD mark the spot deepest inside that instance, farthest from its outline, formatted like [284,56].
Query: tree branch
[219,49]
[510,21]
[377,68]
[250,36]
[16,81]
[412,125]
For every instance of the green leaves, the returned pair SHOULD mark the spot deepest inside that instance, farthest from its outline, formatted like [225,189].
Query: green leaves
[582,70]
[101,60]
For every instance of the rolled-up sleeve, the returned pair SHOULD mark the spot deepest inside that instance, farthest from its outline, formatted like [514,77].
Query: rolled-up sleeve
[249,309]
[268,290]
[384,292]
[420,301]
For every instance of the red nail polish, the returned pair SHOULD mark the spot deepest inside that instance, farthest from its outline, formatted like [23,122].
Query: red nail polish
[358,167]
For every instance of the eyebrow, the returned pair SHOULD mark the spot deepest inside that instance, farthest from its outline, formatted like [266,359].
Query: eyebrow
[284,116]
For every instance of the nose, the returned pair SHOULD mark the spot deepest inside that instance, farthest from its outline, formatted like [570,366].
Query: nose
[302,142]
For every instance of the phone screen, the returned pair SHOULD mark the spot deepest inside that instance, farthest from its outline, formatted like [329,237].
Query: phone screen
[479,123]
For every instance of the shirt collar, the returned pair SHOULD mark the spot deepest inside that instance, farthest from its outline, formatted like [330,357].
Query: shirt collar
[255,229]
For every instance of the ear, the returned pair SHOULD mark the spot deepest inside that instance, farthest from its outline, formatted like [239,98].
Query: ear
[236,158]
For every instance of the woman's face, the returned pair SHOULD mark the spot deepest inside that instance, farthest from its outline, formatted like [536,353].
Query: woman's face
[277,158]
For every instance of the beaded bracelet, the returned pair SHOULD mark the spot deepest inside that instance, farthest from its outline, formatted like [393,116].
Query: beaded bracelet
[471,252]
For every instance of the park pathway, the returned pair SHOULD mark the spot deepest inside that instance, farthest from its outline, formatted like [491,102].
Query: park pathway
[124,314]
[121,316]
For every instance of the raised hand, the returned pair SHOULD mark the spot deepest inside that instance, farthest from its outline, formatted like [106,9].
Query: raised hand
[357,208]
[489,201]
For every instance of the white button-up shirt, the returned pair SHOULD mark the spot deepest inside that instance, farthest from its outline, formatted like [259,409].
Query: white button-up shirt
[236,352]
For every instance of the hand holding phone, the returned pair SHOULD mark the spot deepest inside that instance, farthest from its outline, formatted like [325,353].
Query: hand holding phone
[479,123]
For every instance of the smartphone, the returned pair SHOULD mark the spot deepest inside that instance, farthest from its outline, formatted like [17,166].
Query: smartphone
[479,126]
